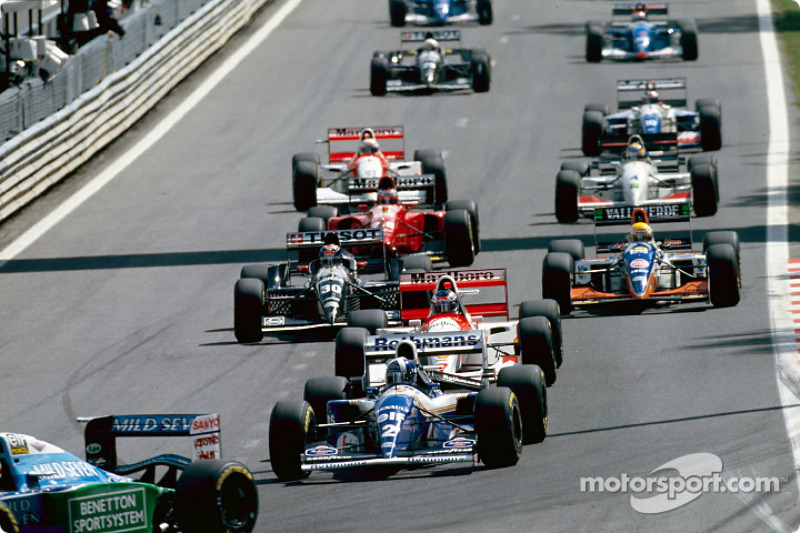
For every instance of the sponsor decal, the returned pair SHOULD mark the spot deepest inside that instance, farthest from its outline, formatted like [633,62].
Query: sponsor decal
[207,447]
[109,513]
[639,263]
[609,214]
[459,442]
[275,321]
[468,275]
[639,250]
[63,470]
[428,341]
[205,424]
[345,235]
[347,440]
[174,424]
[18,444]
[322,449]
[444,324]
[93,448]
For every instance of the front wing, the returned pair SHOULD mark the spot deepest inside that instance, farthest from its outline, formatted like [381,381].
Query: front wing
[428,456]
[692,291]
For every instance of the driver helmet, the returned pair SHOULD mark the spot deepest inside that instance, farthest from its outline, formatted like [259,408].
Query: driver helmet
[330,255]
[640,231]
[650,97]
[401,370]
[639,11]
[635,150]
[444,301]
[368,146]
[430,44]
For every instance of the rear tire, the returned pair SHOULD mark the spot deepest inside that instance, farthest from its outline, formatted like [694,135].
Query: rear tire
[325,212]
[527,382]
[369,319]
[551,311]
[568,187]
[573,247]
[433,163]
[710,128]
[8,523]
[480,67]
[397,12]
[723,275]
[498,425]
[311,224]
[215,496]
[591,131]
[291,426]
[594,43]
[485,14]
[458,238]
[557,270]
[689,40]
[349,359]
[536,345]
[472,208]
[304,185]
[248,308]
[705,189]
[378,75]
[581,167]
[319,391]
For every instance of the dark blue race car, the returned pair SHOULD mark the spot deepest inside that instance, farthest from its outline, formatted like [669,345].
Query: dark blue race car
[439,12]
[641,39]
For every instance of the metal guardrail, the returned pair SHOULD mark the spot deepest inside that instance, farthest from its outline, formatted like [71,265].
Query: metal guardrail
[40,156]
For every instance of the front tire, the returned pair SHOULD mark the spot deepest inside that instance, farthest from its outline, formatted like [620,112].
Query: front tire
[378,75]
[551,311]
[485,15]
[527,382]
[480,67]
[291,426]
[536,345]
[498,424]
[370,319]
[689,40]
[594,43]
[723,275]
[397,12]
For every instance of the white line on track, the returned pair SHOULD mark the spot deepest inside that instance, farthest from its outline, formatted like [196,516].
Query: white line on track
[160,129]
[786,362]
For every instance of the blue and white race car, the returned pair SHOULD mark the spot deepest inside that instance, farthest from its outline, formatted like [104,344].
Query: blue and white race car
[657,113]
[439,12]
[641,39]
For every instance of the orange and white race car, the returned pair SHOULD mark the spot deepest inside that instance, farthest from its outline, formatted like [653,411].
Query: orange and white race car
[454,338]
[357,162]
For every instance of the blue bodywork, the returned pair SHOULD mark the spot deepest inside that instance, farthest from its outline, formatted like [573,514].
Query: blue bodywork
[639,259]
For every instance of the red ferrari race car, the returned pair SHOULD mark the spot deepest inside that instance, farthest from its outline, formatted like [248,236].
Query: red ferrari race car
[355,164]
[452,234]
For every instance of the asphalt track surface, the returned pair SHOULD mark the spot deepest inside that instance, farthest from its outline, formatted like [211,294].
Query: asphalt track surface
[126,305]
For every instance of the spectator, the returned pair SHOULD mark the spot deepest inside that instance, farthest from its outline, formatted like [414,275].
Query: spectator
[105,18]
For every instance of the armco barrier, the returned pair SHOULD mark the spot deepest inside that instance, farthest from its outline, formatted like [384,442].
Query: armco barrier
[42,155]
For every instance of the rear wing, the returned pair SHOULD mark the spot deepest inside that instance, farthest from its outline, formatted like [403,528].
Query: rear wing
[662,142]
[617,216]
[308,243]
[384,347]
[346,142]
[415,290]
[101,434]
[424,183]
[627,8]
[672,91]
[417,36]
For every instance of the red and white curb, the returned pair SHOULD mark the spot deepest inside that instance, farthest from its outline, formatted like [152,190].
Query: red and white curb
[794,299]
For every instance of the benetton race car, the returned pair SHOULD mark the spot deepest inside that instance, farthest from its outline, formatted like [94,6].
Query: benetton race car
[439,12]
[533,339]
[452,234]
[642,270]
[46,489]
[641,39]
[657,113]
[658,183]
[430,67]
[409,422]
[265,299]
[355,165]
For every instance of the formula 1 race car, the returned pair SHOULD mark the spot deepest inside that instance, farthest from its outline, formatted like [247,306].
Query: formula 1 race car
[265,299]
[659,118]
[355,165]
[533,339]
[642,271]
[439,12]
[659,183]
[452,234]
[44,488]
[430,67]
[409,422]
[641,39]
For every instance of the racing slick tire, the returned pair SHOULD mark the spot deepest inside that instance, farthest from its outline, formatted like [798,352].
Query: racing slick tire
[433,163]
[485,15]
[550,310]
[312,157]
[701,159]
[459,240]
[248,306]
[273,276]
[573,247]
[581,167]
[705,189]
[216,496]
[689,40]
[729,237]
[590,132]
[8,524]
[723,275]
[416,263]
[536,345]
[710,127]
[481,71]
[603,108]
[594,42]
[472,208]
[378,75]
[319,391]
[568,187]
[557,280]
[304,185]
[291,425]
[527,382]
[370,319]
[397,12]
[349,359]
[311,224]
[325,212]
[498,425]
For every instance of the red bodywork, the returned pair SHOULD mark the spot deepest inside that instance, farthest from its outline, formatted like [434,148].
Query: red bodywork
[446,322]
[405,230]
